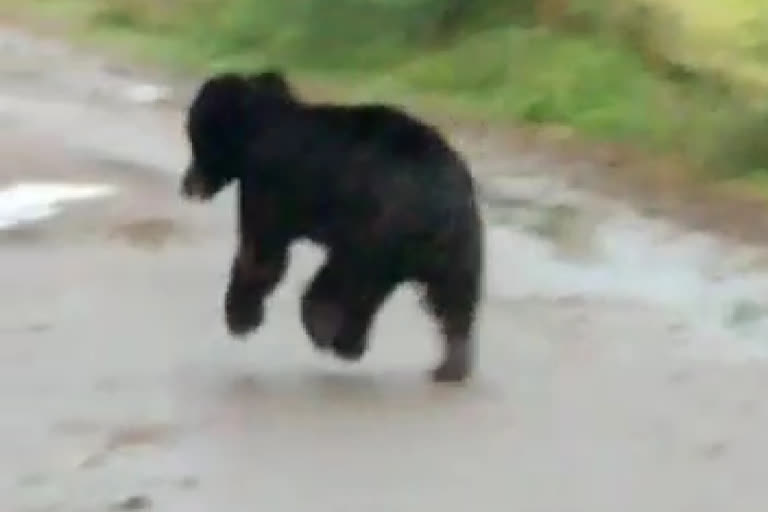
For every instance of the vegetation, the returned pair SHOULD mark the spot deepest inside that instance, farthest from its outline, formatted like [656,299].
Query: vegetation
[688,78]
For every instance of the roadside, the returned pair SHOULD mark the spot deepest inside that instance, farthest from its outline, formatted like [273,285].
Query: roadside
[654,183]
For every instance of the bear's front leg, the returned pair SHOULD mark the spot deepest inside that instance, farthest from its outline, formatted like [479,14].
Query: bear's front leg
[254,275]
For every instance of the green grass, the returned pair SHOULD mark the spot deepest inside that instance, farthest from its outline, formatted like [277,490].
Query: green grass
[687,78]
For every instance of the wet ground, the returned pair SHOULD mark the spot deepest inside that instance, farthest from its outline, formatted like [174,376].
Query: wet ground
[622,365]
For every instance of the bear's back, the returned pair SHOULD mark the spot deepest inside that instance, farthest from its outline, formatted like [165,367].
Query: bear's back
[380,127]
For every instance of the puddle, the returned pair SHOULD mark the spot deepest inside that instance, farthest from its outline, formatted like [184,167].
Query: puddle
[549,241]
[637,261]
[32,202]
[145,93]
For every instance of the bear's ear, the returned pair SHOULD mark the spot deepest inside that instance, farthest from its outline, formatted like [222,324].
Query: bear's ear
[271,82]
[222,100]
[224,84]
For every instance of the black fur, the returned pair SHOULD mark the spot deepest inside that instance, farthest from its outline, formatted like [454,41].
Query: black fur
[385,194]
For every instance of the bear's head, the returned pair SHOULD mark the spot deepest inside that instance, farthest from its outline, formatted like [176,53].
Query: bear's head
[220,122]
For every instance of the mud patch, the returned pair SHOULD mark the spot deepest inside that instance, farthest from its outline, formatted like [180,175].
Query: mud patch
[128,438]
[570,229]
[136,502]
[32,328]
[746,312]
[140,435]
[150,234]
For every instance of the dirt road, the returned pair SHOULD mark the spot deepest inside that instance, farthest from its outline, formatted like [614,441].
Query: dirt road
[622,365]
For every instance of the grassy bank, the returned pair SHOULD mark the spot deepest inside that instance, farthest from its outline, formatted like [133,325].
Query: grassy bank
[689,78]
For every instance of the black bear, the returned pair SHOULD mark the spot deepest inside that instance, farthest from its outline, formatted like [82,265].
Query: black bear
[383,192]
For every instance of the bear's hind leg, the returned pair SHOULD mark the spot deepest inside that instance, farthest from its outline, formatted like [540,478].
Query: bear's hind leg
[340,304]
[452,299]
